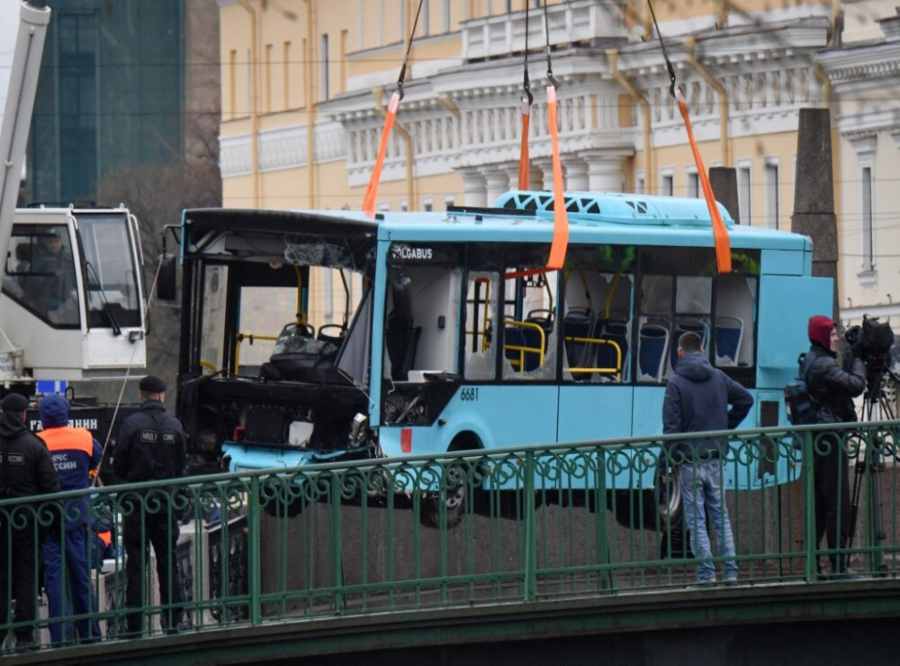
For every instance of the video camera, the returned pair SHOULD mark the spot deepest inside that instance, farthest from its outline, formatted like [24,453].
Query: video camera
[872,343]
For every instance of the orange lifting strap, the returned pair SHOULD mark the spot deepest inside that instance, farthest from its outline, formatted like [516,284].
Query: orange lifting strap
[372,190]
[524,167]
[720,232]
[560,217]
[527,101]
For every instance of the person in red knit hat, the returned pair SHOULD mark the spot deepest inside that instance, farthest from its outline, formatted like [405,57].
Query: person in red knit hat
[833,389]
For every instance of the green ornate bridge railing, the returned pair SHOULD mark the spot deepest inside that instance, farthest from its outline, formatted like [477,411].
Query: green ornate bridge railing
[466,528]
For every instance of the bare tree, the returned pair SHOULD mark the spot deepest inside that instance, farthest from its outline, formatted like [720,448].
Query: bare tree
[157,195]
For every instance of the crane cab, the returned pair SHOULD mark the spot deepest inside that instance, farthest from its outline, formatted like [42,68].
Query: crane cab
[72,304]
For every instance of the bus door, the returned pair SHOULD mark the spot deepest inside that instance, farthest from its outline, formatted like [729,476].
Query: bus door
[509,346]
[596,391]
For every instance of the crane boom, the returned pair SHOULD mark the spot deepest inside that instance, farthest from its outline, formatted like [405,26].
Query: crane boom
[23,82]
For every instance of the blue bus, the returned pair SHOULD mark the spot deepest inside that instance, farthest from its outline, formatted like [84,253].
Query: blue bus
[448,340]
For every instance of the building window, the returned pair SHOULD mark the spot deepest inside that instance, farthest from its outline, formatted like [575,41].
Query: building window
[640,188]
[232,83]
[668,185]
[306,71]
[772,196]
[405,20]
[325,65]
[744,195]
[693,183]
[447,15]
[286,73]
[427,205]
[404,207]
[425,19]
[345,47]
[449,202]
[268,79]
[868,249]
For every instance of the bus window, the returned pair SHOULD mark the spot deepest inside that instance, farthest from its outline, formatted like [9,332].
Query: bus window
[693,308]
[422,312]
[529,317]
[264,312]
[479,341]
[676,298]
[735,329]
[212,344]
[598,313]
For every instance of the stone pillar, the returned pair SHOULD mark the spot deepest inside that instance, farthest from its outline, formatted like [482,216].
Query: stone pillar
[606,171]
[535,176]
[474,188]
[497,179]
[545,166]
[576,175]
[724,185]
[814,194]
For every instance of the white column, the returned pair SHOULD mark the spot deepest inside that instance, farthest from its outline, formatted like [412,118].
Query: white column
[535,176]
[497,183]
[576,175]
[605,170]
[545,166]
[474,187]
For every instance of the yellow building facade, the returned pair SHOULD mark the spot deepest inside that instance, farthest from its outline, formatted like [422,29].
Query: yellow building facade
[305,84]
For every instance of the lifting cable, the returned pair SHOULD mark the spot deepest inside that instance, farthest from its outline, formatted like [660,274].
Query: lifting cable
[527,101]
[560,243]
[720,232]
[560,216]
[372,190]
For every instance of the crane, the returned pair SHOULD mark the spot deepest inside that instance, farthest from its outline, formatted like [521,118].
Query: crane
[71,303]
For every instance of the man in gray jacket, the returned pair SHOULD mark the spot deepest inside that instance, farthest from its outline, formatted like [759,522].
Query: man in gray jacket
[701,398]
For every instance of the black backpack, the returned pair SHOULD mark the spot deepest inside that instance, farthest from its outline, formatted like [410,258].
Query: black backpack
[802,408]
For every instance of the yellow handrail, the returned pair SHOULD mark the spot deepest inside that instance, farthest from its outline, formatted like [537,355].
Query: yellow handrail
[599,341]
[525,349]
[251,337]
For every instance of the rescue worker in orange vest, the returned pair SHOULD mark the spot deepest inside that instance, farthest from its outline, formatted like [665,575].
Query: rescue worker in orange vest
[75,454]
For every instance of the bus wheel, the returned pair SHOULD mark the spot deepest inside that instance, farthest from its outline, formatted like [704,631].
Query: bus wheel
[454,497]
[667,493]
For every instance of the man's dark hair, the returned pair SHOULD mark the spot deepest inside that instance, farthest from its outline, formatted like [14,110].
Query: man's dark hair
[690,343]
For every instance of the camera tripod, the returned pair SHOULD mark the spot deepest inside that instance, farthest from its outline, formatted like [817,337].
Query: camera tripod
[876,407]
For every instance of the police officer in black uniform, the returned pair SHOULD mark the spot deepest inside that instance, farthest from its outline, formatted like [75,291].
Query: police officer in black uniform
[25,469]
[151,446]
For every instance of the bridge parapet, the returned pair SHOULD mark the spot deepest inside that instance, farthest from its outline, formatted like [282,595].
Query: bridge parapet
[531,525]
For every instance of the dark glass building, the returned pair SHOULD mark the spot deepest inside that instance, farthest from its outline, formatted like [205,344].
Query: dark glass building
[110,95]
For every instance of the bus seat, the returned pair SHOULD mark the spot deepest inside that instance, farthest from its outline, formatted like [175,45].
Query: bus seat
[654,343]
[532,338]
[729,336]
[577,324]
[544,319]
[514,337]
[335,333]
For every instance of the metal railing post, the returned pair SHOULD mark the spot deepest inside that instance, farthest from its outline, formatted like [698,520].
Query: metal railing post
[253,555]
[336,540]
[530,591]
[809,503]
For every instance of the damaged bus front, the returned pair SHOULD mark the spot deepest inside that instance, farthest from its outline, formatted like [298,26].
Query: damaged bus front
[275,338]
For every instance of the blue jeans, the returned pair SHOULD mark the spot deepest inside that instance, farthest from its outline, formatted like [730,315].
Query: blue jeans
[701,492]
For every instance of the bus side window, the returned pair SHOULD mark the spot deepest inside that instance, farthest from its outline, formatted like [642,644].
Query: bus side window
[529,325]
[693,307]
[735,326]
[422,322]
[655,329]
[479,338]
